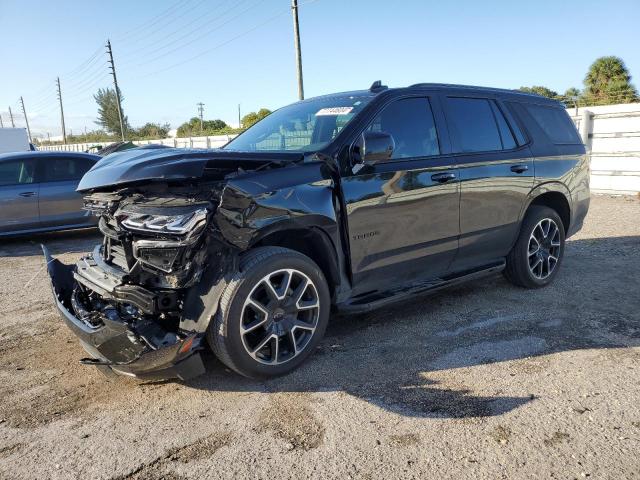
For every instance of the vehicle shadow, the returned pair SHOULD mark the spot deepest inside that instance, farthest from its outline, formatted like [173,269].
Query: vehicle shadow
[431,357]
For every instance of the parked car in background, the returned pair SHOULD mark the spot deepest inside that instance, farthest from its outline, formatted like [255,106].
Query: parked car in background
[14,140]
[345,202]
[38,191]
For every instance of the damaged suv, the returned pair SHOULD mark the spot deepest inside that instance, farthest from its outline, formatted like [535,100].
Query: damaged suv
[345,202]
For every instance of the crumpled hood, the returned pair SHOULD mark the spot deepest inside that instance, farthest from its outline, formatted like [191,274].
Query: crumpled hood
[166,164]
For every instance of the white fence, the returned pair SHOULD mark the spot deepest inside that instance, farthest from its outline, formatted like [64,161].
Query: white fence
[610,132]
[213,141]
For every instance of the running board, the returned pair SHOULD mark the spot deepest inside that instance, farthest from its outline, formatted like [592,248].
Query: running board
[380,299]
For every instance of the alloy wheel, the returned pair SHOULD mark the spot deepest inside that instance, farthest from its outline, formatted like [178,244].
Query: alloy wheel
[544,248]
[279,316]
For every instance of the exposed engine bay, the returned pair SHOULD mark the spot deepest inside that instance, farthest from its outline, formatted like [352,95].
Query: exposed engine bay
[153,251]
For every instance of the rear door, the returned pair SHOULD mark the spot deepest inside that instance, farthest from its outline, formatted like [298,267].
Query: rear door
[402,214]
[18,195]
[59,204]
[496,174]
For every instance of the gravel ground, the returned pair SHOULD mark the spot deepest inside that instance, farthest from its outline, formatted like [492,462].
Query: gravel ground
[482,381]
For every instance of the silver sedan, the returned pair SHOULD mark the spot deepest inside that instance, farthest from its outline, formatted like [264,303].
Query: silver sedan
[38,192]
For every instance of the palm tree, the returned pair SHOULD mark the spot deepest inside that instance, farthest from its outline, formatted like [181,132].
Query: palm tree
[608,81]
[571,97]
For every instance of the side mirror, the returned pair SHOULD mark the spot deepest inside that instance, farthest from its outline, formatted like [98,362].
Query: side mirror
[375,147]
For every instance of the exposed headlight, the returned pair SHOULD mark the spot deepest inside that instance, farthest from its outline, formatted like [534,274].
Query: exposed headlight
[173,224]
[157,255]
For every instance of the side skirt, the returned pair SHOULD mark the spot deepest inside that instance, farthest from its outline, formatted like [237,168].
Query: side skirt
[373,300]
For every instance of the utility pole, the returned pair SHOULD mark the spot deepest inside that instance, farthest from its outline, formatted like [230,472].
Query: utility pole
[201,111]
[48,137]
[115,83]
[296,39]
[13,125]
[239,121]
[26,120]
[64,130]
[1,124]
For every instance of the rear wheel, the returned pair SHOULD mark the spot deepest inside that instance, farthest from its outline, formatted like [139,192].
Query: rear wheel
[272,315]
[535,258]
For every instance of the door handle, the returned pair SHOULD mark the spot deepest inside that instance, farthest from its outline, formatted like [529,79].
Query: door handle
[27,194]
[443,177]
[519,168]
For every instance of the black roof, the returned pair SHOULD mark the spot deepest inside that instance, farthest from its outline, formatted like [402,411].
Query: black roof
[378,90]
[46,154]
[473,88]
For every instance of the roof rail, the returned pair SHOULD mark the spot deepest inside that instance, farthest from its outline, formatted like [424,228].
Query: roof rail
[472,87]
[453,85]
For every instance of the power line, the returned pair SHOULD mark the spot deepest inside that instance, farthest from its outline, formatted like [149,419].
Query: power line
[130,34]
[90,83]
[46,94]
[38,106]
[90,72]
[80,67]
[164,34]
[209,50]
[199,37]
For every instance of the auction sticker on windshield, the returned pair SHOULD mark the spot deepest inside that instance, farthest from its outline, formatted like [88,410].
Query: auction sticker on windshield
[334,111]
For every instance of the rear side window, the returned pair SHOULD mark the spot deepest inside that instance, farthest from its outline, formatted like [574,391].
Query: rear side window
[478,125]
[410,122]
[16,172]
[555,122]
[59,169]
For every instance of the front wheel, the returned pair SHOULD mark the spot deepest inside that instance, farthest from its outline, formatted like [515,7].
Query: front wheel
[535,258]
[272,315]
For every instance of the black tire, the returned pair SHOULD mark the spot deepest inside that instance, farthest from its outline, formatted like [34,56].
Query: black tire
[224,335]
[519,269]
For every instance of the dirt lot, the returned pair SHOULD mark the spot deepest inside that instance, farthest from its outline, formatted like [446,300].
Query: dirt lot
[482,381]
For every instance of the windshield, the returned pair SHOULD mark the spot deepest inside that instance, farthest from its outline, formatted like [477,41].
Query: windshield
[304,126]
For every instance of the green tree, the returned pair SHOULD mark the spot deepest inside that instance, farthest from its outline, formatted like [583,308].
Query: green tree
[572,92]
[539,90]
[108,117]
[252,117]
[187,129]
[571,97]
[213,125]
[150,131]
[209,127]
[608,82]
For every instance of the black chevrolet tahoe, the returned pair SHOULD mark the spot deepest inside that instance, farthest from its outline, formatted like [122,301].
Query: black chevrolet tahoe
[340,203]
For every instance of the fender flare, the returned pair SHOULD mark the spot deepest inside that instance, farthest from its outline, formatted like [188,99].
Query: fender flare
[547,187]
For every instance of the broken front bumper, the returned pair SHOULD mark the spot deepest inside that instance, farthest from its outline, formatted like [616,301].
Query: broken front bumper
[115,345]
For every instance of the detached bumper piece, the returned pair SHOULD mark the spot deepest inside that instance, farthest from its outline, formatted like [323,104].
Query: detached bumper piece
[143,348]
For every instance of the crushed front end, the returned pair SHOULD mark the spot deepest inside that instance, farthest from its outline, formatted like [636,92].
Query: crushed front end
[140,302]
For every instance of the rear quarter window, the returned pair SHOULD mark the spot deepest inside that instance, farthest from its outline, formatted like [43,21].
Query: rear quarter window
[556,124]
[59,169]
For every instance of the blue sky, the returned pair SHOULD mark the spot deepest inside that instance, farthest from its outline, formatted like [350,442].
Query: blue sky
[172,54]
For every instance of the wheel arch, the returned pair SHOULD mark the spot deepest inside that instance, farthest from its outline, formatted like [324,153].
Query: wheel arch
[312,241]
[554,195]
